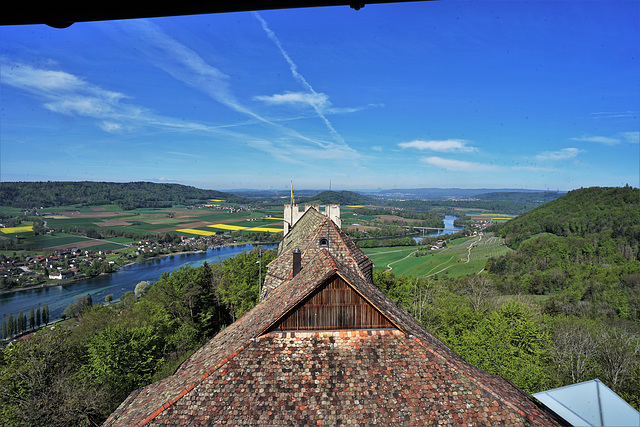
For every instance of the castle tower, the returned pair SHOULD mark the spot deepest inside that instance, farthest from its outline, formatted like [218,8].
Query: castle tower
[293,212]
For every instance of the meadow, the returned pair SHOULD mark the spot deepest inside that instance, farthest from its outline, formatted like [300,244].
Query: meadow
[62,240]
[180,220]
[461,257]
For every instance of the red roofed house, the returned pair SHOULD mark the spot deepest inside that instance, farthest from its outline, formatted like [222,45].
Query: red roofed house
[325,346]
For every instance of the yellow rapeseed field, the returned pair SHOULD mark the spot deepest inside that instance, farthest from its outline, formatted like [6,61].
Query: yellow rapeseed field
[22,229]
[267,229]
[198,232]
[227,227]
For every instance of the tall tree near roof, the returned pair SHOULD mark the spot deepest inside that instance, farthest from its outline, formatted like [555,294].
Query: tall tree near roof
[45,314]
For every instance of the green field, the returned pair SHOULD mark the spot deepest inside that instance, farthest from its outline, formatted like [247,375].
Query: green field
[462,257]
[68,240]
[105,247]
[122,240]
[47,241]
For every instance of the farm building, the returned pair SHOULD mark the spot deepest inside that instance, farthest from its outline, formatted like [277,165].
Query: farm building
[325,346]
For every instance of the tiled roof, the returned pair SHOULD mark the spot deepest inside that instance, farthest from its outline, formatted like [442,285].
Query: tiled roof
[306,235]
[249,374]
[376,377]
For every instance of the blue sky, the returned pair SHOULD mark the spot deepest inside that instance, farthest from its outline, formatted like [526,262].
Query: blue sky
[468,94]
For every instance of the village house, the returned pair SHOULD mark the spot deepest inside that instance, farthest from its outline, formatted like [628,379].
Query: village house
[325,346]
[60,275]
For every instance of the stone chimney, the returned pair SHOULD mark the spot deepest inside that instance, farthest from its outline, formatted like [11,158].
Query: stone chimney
[297,261]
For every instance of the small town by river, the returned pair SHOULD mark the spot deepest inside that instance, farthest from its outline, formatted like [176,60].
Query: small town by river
[58,297]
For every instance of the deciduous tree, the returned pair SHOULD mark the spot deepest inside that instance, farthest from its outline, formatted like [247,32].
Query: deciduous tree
[575,347]
[123,358]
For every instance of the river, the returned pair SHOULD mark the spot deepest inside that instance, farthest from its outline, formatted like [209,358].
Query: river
[117,283]
[448,224]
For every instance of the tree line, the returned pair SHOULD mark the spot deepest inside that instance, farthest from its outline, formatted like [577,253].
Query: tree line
[129,195]
[20,324]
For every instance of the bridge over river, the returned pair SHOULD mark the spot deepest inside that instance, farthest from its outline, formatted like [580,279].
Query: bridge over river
[427,229]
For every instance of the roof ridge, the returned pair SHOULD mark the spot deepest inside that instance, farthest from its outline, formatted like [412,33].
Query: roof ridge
[342,235]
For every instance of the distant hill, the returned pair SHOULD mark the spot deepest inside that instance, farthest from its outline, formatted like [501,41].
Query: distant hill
[519,196]
[444,193]
[582,212]
[340,197]
[274,194]
[128,195]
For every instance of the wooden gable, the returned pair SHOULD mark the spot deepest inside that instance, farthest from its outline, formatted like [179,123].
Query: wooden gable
[333,305]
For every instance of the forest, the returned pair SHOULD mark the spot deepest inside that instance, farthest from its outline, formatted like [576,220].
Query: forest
[562,307]
[533,197]
[130,195]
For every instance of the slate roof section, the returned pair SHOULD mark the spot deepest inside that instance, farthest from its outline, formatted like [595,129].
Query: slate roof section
[250,374]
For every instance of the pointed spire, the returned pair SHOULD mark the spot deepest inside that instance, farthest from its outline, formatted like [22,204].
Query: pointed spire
[293,200]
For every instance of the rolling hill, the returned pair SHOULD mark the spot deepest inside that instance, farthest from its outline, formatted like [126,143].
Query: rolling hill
[582,212]
[129,195]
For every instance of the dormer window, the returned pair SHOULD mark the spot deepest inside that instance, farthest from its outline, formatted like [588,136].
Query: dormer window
[323,242]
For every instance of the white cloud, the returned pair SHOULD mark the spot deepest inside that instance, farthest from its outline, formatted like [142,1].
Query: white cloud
[32,79]
[631,137]
[65,93]
[444,146]
[319,101]
[614,114]
[563,154]
[598,139]
[182,154]
[532,169]
[458,165]
[111,127]
[313,99]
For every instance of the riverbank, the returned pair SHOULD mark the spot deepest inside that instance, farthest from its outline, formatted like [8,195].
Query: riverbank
[128,264]
[118,283]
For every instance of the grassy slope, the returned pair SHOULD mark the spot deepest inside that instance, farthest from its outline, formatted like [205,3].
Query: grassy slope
[455,260]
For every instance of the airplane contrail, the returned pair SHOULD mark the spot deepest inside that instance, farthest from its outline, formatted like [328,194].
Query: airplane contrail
[296,75]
